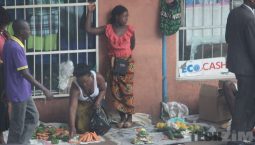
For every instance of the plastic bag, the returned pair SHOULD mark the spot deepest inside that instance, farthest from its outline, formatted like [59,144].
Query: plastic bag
[172,110]
[65,72]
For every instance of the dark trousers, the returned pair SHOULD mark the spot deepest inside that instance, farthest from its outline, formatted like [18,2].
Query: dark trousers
[24,119]
[244,111]
[4,116]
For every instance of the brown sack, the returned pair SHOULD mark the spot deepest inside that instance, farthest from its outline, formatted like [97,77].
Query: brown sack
[212,105]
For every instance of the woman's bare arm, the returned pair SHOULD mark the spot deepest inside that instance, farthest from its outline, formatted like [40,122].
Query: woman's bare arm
[88,27]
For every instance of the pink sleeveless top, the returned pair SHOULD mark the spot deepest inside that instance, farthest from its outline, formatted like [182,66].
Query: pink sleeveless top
[119,46]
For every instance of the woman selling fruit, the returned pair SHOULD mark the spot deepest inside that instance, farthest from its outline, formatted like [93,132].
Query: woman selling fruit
[87,91]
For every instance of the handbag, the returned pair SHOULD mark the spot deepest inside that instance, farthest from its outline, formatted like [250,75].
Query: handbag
[99,122]
[120,66]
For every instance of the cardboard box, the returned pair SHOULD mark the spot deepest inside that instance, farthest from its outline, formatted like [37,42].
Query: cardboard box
[212,105]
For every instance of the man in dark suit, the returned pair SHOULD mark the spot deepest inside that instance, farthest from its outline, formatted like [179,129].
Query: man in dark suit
[240,37]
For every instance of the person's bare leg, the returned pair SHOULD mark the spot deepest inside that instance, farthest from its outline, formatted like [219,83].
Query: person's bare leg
[122,120]
[128,122]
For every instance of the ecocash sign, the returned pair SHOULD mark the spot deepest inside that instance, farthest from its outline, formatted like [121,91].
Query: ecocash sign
[205,67]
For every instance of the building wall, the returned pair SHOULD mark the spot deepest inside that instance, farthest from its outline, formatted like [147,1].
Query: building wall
[143,15]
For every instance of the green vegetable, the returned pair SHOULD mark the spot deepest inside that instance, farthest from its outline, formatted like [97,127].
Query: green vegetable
[173,133]
[196,129]
[53,137]
[181,129]
[34,136]
[169,134]
[143,132]
[52,130]
[65,138]
[178,135]
[40,129]
[54,141]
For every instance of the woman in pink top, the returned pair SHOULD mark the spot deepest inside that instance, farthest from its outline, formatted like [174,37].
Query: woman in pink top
[4,117]
[121,42]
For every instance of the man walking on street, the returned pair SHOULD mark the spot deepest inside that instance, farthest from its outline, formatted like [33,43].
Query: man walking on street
[18,80]
[240,37]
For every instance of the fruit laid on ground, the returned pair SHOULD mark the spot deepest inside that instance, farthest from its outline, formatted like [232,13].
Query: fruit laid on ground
[194,128]
[161,125]
[181,125]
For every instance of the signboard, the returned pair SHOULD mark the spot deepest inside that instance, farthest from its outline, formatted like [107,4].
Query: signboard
[203,68]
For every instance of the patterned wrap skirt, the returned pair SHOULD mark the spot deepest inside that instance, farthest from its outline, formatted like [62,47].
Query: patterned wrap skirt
[122,90]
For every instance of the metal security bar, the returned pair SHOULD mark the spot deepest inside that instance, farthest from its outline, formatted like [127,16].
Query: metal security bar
[58,36]
[202,35]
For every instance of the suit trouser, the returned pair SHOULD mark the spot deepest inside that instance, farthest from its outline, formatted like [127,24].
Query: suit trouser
[4,116]
[244,111]
[24,119]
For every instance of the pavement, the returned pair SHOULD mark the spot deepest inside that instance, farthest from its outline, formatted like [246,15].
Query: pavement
[124,137]
[118,136]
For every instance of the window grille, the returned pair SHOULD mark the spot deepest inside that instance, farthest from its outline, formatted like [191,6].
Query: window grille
[58,35]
